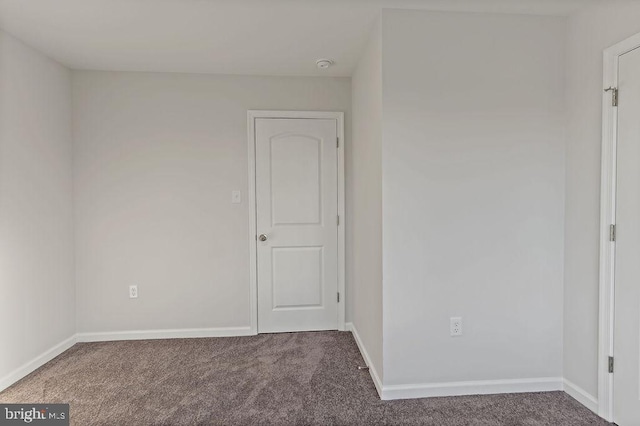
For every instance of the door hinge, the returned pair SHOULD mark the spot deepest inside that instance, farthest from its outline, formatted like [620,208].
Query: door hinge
[337,142]
[614,95]
[610,364]
[612,232]
[338,297]
[338,220]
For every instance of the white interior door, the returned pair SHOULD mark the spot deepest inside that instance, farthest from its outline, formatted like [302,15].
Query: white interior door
[626,378]
[296,221]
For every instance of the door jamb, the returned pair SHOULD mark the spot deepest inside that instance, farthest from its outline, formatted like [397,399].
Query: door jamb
[611,56]
[252,115]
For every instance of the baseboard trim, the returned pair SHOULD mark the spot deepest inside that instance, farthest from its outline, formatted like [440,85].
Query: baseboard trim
[480,387]
[428,390]
[37,362]
[183,333]
[363,351]
[580,395]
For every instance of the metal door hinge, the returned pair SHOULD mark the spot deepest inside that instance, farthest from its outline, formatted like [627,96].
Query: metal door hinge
[614,95]
[337,142]
[612,232]
[610,364]
[338,297]
[338,220]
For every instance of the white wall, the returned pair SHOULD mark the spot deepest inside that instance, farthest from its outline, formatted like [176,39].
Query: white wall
[37,303]
[589,32]
[156,159]
[473,195]
[366,209]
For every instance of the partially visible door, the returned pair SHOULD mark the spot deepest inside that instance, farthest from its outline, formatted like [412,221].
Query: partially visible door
[626,378]
[296,212]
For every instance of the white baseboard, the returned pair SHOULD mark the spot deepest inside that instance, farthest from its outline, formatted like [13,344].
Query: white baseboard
[183,333]
[580,395]
[372,370]
[36,363]
[479,387]
[427,390]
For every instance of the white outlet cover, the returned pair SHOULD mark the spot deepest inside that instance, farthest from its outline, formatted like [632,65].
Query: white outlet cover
[133,291]
[456,326]
[236,197]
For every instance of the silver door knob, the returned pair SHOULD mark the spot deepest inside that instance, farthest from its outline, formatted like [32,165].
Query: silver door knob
[262,237]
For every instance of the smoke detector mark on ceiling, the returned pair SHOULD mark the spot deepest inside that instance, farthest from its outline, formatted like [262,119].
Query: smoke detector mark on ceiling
[323,64]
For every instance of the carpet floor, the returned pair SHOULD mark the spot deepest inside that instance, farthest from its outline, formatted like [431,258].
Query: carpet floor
[280,379]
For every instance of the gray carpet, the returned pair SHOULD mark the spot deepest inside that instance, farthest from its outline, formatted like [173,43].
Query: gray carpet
[296,379]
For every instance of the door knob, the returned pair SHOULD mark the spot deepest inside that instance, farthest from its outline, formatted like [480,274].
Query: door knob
[262,237]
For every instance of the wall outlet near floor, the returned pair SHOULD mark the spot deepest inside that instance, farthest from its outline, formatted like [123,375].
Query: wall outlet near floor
[133,291]
[456,326]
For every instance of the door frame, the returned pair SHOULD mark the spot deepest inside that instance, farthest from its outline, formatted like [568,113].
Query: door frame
[611,58]
[252,115]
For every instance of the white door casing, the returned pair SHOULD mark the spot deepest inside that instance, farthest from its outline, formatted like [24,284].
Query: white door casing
[619,317]
[297,243]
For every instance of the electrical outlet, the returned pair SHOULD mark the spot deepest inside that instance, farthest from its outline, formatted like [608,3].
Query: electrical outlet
[133,291]
[456,326]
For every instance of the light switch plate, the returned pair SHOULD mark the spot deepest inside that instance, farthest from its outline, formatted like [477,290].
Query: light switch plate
[236,197]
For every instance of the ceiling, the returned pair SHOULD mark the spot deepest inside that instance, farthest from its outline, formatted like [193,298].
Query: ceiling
[257,37]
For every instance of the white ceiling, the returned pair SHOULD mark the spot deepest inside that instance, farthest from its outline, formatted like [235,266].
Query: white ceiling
[261,37]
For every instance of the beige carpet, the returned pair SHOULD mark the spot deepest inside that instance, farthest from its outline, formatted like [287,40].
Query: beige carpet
[297,379]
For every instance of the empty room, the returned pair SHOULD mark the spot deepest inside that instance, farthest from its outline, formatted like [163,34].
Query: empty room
[320,212]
